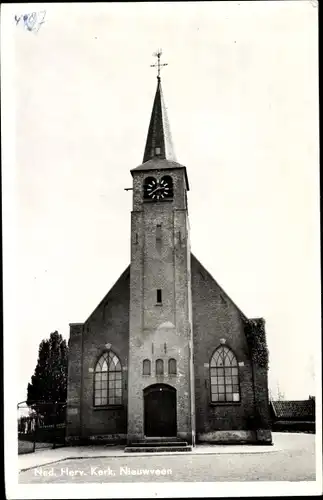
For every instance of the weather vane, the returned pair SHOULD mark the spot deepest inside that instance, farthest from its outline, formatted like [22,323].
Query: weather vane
[158,65]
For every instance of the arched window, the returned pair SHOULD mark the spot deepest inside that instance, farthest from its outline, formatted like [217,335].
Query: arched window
[172,366]
[108,380]
[224,376]
[146,367]
[159,367]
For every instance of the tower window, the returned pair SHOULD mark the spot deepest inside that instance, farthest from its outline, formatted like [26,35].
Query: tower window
[159,367]
[157,151]
[146,370]
[159,296]
[158,238]
[172,370]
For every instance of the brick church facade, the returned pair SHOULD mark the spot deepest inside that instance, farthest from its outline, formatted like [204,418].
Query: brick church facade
[166,353]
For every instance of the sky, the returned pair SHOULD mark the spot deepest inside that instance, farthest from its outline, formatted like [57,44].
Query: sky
[241,89]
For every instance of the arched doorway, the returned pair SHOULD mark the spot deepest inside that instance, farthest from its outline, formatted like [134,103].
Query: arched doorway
[160,411]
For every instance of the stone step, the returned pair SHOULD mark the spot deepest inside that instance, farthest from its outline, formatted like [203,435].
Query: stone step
[158,439]
[156,449]
[159,443]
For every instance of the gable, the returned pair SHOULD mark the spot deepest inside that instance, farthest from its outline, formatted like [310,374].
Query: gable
[121,289]
[119,293]
[198,270]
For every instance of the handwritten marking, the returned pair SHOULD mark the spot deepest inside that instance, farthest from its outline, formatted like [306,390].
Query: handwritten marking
[31,21]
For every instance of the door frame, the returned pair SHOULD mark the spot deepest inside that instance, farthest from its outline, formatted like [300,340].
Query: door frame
[155,388]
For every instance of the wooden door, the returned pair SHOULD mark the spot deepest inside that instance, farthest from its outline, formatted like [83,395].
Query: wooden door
[160,411]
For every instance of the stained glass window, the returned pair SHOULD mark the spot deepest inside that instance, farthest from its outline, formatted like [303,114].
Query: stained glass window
[108,380]
[224,376]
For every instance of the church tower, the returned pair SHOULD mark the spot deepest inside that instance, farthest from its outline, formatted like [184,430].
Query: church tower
[160,360]
[166,353]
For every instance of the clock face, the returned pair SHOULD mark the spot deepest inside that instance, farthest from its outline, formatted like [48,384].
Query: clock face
[158,190]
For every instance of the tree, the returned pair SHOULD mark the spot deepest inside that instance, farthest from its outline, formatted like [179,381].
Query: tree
[49,382]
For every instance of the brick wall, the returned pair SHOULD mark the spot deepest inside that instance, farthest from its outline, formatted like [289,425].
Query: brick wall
[215,317]
[106,328]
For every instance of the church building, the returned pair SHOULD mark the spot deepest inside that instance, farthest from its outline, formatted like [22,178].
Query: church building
[166,354]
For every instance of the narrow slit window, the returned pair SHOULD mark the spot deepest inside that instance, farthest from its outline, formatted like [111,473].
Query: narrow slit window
[159,296]
[158,238]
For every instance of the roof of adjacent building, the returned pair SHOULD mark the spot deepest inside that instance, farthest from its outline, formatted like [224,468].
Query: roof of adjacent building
[302,410]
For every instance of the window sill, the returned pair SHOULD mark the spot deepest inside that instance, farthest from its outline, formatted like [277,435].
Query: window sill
[108,407]
[158,304]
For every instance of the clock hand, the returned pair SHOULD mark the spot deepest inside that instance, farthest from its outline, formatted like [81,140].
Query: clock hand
[156,189]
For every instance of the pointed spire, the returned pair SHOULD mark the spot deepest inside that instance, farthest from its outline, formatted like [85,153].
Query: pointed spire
[159,141]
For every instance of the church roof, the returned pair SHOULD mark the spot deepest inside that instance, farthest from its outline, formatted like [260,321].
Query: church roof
[159,140]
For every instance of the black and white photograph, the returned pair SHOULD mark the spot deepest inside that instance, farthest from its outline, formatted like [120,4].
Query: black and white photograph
[161,249]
